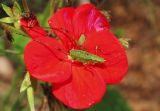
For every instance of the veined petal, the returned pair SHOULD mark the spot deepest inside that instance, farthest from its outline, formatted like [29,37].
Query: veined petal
[84,89]
[107,46]
[87,18]
[69,23]
[61,24]
[45,60]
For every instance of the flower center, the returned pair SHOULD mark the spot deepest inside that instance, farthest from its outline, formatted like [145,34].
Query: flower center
[84,57]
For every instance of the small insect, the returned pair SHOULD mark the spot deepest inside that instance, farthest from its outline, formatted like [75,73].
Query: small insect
[85,57]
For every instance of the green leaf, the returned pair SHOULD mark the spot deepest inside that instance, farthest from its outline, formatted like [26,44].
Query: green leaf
[26,83]
[81,39]
[120,33]
[27,86]
[9,51]
[18,44]
[8,10]
[17,25]
[7,20]
[17,8]
[124,42]
[48,11]
[12,29]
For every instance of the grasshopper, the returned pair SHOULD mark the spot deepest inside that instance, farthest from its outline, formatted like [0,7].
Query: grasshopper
[85,57]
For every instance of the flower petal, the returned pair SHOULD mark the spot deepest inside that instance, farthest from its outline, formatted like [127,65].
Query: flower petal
[69,23]
[106,45]
[87,18]
[83,90]
[45,60]
[61,24]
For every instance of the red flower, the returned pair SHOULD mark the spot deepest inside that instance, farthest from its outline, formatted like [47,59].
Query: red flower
[76,83]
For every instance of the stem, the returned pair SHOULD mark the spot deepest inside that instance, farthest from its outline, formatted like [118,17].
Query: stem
[25,6]
[84,1]
[12,29]
[52,6]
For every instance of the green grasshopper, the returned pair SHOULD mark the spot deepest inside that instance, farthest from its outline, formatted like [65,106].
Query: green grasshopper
[85,57]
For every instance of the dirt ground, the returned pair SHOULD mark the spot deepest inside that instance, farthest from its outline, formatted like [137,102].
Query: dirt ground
[140,19]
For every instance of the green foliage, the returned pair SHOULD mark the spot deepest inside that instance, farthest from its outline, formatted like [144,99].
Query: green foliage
[17,9]
[8,10]
[120,34]
[19,42]
[26,83]
[1,40]
[7,20]
[17,102]
[30,97]
[124,42]
[43,17]
[27,86]
[14,14]
[49,10]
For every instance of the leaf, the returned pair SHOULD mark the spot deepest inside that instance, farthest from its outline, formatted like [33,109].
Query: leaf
[9,51]
[120,33]
[124,42]
[43,18]
[26,83]
[17,25]
[17,8]
[8,10]
[12,29]
[27,86]
[7,20]
[18,44]
[81,39]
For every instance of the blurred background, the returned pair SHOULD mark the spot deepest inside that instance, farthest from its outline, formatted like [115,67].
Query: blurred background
[137,20]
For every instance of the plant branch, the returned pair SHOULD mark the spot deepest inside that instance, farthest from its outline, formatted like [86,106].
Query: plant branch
[52,6]
[25,6]
[12,29]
